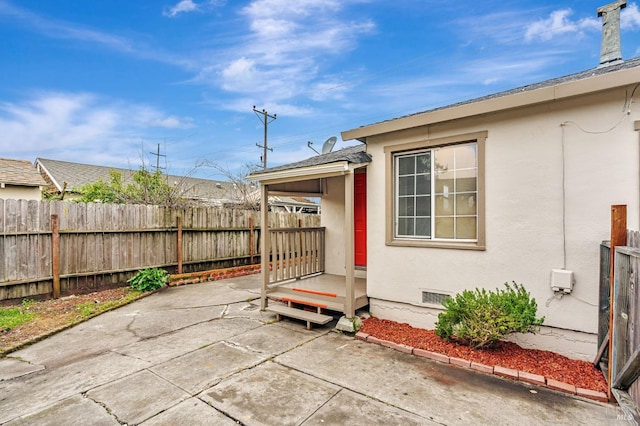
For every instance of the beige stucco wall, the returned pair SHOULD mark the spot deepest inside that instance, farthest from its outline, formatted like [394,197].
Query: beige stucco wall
[524,210]
[20,192]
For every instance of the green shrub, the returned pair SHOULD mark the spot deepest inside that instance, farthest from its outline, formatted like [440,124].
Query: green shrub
[480,318]
[149,279]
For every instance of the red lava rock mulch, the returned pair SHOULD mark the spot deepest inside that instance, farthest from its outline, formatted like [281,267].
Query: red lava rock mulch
[581,374]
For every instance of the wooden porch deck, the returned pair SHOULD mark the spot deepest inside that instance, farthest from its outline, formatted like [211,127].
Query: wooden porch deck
[322,292]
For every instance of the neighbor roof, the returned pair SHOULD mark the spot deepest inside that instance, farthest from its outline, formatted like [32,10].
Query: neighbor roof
[78,174]
[19,172]
[593,80]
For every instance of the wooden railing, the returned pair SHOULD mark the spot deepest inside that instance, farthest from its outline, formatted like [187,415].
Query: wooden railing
[296,252]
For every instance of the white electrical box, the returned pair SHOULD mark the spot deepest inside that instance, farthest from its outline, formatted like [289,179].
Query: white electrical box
[561,280]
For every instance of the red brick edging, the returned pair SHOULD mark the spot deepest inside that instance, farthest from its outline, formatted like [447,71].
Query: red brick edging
[213,275]
[508,373]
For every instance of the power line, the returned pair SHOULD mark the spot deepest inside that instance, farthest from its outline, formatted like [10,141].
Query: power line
[265,121]
[158,155]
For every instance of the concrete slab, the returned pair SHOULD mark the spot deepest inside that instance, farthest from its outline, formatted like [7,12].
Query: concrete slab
[190,412]
[273,339]
[249,310]
[211,340]
[207,294]
[91,337]
[349,408]
[138,397]
[29,394]
[11,368]
[205,367]
[77,407]
[171,345]
[270,394]
[444,393]
[149,323]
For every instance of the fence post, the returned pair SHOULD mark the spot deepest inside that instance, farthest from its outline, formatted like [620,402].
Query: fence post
[618,238]
[179,247]
[55,255]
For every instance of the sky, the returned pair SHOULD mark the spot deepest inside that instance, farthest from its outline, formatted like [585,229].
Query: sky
[111,82]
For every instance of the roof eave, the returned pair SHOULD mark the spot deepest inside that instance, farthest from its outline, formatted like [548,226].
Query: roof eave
[310,172]
[491,105]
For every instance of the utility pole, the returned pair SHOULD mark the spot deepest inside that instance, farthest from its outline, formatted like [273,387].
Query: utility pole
[265,119]
[158,155]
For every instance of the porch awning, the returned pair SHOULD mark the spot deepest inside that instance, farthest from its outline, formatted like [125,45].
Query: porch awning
[305,177]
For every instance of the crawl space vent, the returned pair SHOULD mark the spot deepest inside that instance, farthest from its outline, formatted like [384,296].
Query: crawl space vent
[433,298]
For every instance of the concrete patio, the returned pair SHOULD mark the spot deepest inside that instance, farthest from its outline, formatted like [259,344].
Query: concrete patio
[205,354]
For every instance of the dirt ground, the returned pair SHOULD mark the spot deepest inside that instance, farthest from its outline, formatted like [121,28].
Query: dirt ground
[57,314]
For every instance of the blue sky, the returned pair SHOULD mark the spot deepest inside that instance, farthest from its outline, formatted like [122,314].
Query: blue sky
[104,82]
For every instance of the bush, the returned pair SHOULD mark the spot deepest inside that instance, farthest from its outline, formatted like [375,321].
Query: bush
[480,318]
[149,279]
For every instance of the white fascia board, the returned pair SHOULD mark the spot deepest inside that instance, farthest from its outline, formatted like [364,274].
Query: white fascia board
[311,172]
[515,100]
[53,180]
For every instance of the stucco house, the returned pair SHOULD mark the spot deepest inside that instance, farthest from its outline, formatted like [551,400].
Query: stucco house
[20,180]
[515,186]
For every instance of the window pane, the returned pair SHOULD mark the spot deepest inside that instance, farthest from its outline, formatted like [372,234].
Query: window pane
[444,182]
[406,206]
[423,206]
[406,166]
[423,227]
[466,228]
[466,204]
[444,227]
[423,184]
[405,227]
[423,163]
[444,159]
[444,205]
[406,185]
[466,180]
[466,156]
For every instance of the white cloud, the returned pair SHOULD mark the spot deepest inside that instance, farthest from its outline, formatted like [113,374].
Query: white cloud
[630,17]
[181,7]
[559,23]
[72,125]
[185,6]
[288,45]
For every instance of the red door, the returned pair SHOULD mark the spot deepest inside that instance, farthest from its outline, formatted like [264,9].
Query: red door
[360,218]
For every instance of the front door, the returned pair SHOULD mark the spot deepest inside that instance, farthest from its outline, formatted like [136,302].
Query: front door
[360,218]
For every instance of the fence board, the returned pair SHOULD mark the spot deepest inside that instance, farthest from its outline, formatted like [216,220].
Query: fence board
[103,244]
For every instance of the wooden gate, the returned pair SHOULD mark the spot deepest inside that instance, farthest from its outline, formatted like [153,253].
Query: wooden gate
[625,324]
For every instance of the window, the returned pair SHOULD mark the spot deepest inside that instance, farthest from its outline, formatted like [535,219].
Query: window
[435,193]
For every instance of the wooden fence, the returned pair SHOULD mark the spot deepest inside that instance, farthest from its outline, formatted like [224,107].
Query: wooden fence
[625,335]
[87,246]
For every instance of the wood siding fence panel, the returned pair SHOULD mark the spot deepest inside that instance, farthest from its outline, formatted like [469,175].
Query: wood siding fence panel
[102,244]
[625,362]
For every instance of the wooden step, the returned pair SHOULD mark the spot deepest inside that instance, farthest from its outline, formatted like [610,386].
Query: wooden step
[309,317]
[316,292]
[302,299]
